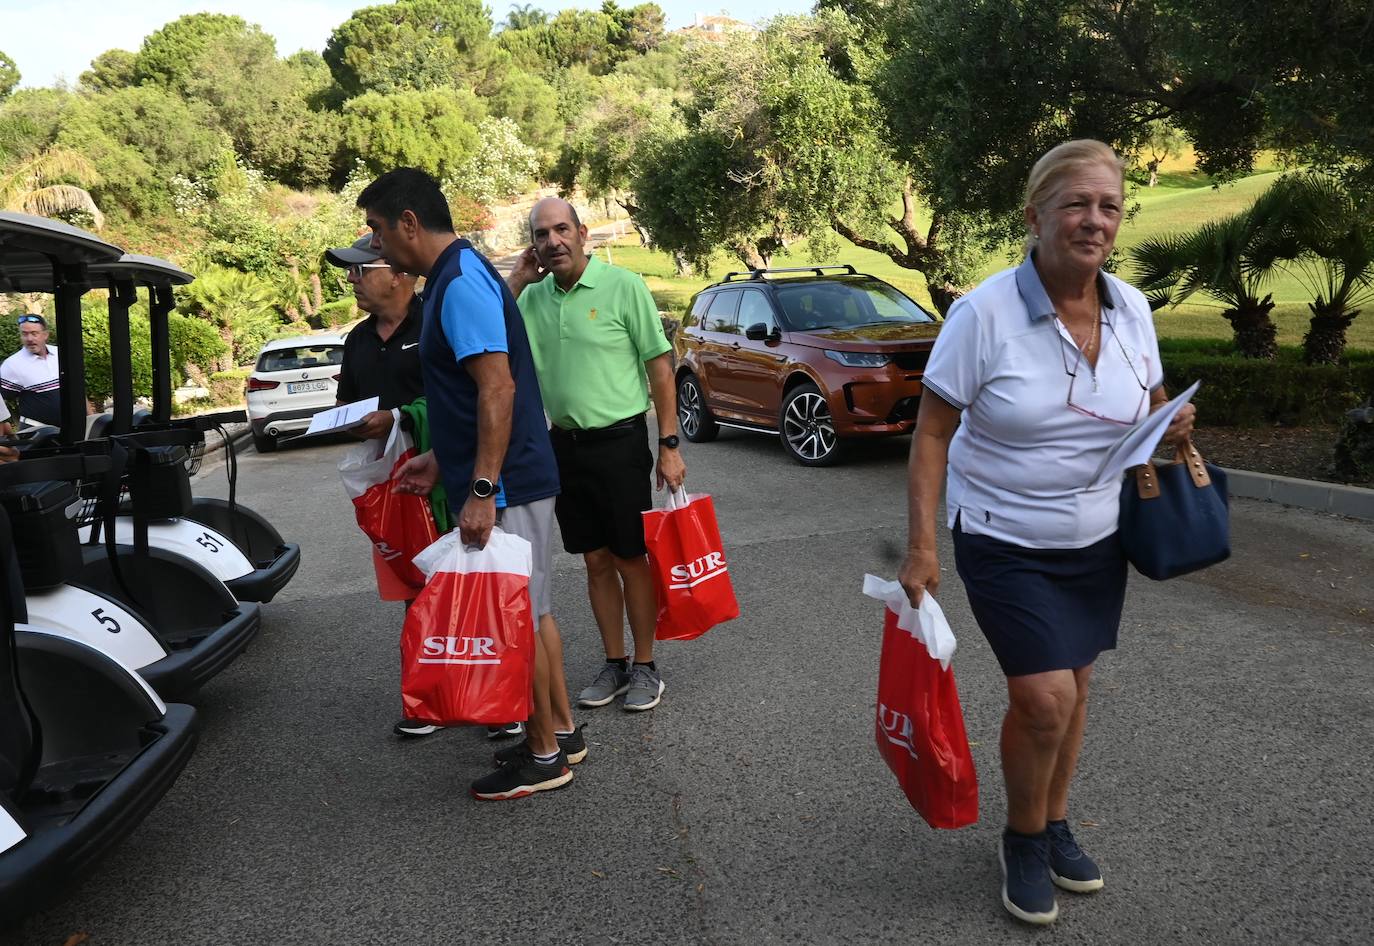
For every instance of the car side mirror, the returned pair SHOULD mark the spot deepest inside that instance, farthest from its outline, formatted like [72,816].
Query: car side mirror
[758,332]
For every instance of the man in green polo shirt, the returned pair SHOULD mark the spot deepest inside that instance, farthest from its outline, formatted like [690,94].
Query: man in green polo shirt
[600,352]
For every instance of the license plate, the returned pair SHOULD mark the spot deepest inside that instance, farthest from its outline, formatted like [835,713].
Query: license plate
[300,387]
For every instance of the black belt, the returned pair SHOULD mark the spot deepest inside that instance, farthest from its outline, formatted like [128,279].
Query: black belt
[619,429]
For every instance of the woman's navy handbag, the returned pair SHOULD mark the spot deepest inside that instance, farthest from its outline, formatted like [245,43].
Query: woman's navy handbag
[1174,517]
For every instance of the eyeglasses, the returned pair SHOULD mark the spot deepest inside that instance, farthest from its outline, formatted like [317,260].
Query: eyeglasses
[31,319]
[1070,399]
[356,269]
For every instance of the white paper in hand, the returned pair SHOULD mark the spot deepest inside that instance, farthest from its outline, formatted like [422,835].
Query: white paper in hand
[926,623]
[1139,443]
[341,418]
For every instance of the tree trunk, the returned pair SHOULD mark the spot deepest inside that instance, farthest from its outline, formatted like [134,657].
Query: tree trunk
[1325,340]
[1255,333]
[679,260]
[750,256]
[923,253]
[226,362]
[942,293]
[1153,168]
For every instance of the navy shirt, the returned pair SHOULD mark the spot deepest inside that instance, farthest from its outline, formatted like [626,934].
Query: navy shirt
[469,311]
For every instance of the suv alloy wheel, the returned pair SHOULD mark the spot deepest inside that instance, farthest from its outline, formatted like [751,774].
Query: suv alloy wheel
[693,417]
[806,427]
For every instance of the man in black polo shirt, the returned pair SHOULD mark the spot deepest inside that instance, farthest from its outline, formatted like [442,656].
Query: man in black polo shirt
[382,354]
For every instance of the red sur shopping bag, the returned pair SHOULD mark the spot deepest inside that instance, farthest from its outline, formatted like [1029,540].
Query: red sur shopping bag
[688,562]
[920,725]
[400,525]
[467,647]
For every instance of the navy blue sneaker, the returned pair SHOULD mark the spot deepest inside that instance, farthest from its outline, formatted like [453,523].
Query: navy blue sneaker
[1070,868]
[1027,891]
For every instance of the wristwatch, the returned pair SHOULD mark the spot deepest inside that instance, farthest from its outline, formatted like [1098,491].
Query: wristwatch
[669,441]
[483,488]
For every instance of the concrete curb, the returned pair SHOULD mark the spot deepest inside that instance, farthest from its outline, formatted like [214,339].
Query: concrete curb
[1353,501]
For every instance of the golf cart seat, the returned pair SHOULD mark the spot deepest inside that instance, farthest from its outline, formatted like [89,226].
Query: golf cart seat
[86,751]
[160,614]
[231,541]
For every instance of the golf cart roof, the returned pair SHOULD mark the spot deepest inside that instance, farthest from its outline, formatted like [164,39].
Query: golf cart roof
[146,269]
[28,244]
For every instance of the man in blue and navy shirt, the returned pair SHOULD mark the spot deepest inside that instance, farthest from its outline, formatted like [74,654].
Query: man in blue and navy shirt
[491,441]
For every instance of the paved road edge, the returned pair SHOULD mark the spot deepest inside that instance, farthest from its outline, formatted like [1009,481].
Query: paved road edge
[1353,501]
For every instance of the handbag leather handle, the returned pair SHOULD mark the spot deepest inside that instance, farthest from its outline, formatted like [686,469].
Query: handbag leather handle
[1147,478]
[1185,452]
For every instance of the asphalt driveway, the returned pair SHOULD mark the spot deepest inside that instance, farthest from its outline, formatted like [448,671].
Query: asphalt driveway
[1224,787]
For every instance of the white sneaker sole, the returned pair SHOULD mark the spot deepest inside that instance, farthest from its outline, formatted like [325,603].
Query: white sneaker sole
[520,791]
[592,704]
[1038,919]
[1075,886]
[416,731]
[641,707]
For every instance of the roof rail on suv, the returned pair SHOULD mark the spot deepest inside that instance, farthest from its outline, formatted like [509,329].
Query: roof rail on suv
[818,270]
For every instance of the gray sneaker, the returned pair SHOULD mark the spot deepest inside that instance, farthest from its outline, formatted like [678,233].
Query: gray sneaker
[646,688]
[609,683]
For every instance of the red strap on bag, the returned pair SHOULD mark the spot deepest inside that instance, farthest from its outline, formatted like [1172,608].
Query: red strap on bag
[691,577]
[467,647]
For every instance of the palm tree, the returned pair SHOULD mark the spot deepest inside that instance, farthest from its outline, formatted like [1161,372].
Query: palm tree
[33,185]
[1335,259]
[239,305]
[1229,260]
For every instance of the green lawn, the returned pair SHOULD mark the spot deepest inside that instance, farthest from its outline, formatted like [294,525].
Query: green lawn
[1180,201]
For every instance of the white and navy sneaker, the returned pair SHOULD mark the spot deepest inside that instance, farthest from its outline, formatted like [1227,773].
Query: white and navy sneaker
[1027,892]
[415,727]
[1070,868]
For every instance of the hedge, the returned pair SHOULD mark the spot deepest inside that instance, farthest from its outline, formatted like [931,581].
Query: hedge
[1248,392]
[193,342]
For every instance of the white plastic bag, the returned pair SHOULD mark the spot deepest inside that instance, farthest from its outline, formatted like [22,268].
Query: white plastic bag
[926,623]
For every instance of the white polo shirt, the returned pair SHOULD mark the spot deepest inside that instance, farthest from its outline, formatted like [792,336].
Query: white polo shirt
[1021,462]
[32,379]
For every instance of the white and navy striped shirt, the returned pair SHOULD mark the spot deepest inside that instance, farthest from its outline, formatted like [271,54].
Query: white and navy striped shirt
[32,379]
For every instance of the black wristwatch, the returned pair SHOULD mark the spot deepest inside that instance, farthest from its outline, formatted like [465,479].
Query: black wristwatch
[669,441]
[483,488]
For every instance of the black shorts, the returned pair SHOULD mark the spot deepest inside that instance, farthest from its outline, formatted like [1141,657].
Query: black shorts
[606,477]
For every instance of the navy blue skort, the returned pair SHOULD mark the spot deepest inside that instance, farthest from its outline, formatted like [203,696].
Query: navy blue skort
[1043,609]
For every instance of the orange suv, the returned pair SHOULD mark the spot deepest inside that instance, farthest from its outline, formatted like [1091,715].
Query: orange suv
[818,354]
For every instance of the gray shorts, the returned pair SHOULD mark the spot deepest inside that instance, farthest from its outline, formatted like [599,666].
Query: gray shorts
[533,522]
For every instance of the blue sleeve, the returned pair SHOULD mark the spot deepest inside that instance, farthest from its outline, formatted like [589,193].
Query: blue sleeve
[474,311]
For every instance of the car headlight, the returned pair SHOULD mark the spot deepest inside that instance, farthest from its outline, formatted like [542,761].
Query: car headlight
[858,359]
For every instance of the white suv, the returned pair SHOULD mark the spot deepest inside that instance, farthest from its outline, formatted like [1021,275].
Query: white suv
[294,378]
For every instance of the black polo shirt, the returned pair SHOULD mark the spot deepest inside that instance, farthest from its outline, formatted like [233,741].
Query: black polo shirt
[389,370]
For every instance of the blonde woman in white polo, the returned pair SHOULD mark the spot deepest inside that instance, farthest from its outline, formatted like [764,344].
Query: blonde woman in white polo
[1046,365]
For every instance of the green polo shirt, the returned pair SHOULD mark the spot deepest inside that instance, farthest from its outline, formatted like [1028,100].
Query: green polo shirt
[590,345]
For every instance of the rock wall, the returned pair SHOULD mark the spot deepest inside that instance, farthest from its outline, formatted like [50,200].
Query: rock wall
[511,232]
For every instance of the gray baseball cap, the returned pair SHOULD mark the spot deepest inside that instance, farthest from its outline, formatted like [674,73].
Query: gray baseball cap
[360,252]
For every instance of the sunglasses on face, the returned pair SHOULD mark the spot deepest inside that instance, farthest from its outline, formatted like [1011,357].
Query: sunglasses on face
[356,269]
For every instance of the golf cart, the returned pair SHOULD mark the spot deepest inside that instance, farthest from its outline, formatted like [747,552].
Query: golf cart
[163,614]
[233,542]
[86,750]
